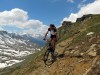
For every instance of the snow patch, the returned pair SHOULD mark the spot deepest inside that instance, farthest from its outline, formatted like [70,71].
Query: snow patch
[9,63]
[3,65]
[90,33]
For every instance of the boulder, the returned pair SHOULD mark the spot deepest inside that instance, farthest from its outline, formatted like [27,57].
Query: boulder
[92,53]
[92,50]
[66,23]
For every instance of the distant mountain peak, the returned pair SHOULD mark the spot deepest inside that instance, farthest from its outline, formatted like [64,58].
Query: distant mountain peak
[14,47]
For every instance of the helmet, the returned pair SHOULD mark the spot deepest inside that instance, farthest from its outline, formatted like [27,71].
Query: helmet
[52,25]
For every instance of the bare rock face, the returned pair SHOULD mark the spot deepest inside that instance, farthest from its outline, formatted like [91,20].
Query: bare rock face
[95,70]
[92,53]
[92,50]
[67,23]
[83,18]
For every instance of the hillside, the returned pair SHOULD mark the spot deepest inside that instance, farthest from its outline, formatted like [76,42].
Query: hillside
[14,48]
[79,45]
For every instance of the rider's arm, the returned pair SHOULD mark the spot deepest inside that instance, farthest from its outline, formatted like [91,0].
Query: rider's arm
[46,34]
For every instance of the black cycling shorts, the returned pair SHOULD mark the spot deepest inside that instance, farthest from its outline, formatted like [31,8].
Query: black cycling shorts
[53,36]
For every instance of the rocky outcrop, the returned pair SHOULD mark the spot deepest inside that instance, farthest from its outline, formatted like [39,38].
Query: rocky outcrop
[66,23]
[84,17]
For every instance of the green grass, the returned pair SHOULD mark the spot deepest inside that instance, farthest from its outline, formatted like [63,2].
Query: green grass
[24,67]
[89,25]
[67,31]
[82,36]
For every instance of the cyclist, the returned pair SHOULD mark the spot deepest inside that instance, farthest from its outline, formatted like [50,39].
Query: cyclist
[53,31]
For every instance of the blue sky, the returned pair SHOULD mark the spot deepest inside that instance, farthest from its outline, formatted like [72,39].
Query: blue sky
[48,11]
[41,12]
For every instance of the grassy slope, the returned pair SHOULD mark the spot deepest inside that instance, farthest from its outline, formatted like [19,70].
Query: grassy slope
[77,27]
[79,30]
[25,67]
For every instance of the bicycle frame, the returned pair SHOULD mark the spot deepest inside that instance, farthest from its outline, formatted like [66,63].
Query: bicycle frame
[49,52]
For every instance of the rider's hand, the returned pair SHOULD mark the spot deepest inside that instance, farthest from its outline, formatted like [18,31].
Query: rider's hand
[44,39]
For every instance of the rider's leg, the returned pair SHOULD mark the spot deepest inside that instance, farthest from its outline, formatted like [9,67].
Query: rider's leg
[53,43]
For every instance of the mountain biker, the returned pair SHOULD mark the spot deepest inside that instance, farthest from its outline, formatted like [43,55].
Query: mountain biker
[53,37]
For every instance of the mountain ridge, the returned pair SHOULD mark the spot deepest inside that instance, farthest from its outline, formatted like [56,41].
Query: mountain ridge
[14,47]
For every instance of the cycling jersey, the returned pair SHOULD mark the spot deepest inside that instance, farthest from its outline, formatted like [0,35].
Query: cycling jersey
[52,32]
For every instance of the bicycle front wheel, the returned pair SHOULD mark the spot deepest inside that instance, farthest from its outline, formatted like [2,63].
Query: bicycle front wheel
[48,60]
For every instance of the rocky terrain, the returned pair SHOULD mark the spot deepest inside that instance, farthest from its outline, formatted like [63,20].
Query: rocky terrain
[78,48]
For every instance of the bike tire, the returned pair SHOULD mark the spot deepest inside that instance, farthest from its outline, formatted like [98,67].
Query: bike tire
[46,59]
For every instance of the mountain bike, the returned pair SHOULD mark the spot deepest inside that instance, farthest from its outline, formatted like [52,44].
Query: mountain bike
[50,54]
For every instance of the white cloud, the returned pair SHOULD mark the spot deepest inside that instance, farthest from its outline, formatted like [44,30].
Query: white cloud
[91,8]
[40,30]
[13,17]
[19,18]
[72,17]
[71,1]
